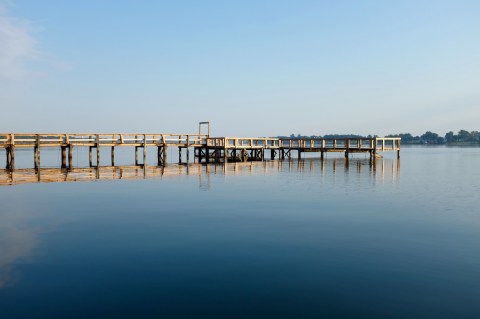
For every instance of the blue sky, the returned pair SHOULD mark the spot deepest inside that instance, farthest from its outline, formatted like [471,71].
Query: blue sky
[255,68]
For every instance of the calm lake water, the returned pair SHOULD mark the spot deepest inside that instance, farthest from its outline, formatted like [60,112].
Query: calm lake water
[308,239]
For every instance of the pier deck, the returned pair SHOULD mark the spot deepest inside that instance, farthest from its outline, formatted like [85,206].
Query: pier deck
[206,149]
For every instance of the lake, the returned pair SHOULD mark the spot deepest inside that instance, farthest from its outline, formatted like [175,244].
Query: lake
[274,239]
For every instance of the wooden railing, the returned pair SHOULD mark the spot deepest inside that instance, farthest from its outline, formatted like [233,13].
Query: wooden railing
[388,143]
[31,140]
[328,143]
[241,142]
[379,143]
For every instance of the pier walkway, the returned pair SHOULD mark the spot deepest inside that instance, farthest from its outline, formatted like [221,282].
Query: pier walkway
[206,149]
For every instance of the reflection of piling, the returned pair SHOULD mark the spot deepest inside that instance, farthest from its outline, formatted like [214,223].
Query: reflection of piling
[382,170]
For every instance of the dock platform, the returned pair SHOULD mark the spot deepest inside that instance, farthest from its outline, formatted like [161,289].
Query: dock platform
[206,149]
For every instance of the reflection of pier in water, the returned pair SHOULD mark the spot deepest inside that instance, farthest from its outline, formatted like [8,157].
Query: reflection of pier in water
[382,169]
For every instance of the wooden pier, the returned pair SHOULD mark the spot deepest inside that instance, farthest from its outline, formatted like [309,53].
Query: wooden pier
[67,142]
[206,149]
[223,149]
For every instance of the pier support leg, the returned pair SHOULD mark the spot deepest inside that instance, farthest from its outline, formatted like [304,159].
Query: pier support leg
[398,154]
[299,154]
[322,155]
[162,155]
[346,154]
[35,157]
[144,155]
[98,156]
[7,157]
[90,155]
[70,156]
[165,153]
[113,155]
[12,157]
[188,155]
[64,156]
[180,155]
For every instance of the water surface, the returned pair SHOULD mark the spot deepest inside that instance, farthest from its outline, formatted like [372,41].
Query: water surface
[291,239]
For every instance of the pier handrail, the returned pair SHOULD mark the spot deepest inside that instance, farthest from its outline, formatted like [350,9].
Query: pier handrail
[388,143]
[52,139]
[332,143]
[243,142]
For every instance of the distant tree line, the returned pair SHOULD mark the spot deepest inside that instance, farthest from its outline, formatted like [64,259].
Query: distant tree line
[463,137]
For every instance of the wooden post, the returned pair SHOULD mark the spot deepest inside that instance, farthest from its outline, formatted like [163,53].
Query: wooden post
[64,156]
[165,153]
[12,157]
[144,149]
[136,155]
[197,152]
[70,155]
[98,150]
[7,162]
[35,156]
[11,162]
[37,151]
[398,150]
[90,155]
[113,155]
[179,155]
[347,146]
